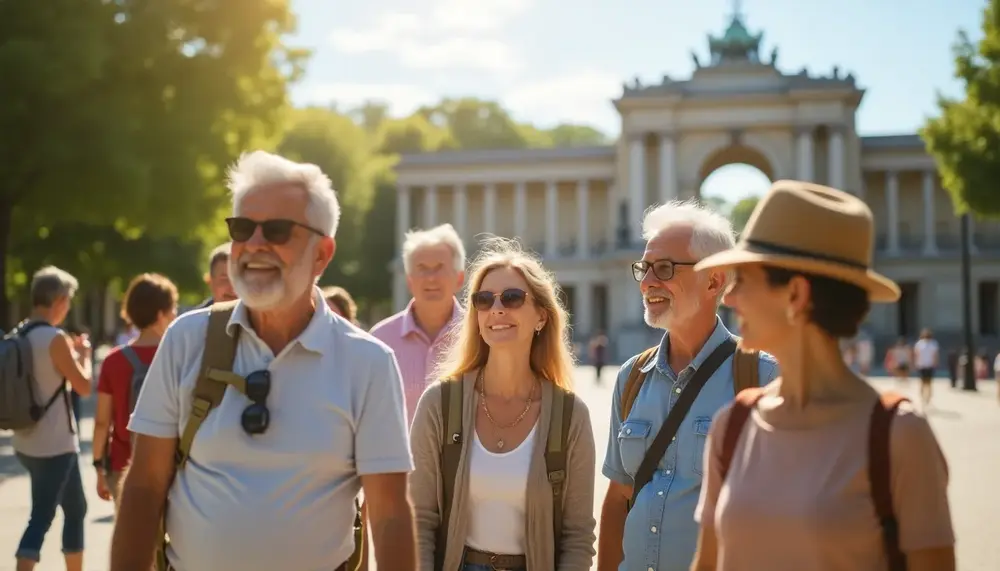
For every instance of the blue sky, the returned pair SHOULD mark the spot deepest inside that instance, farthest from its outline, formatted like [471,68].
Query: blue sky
[551,61]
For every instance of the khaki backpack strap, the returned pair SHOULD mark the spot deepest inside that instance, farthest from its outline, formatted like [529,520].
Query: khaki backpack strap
[746,369]
[451,452]
[744,403]
[555,456]
[880,476]
[635,380]
[220,352]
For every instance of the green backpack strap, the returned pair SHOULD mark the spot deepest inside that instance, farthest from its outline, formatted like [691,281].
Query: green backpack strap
[555,456]
[214,376]
[451,452]
[635,380]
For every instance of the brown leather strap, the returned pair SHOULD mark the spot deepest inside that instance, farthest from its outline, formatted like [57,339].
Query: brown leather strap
[745,369]
[745,401]
[880,475]
[451,453]
[496,561]
[555,456]
[635,380]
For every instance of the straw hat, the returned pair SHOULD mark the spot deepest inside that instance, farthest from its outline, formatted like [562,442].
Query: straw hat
[813,229]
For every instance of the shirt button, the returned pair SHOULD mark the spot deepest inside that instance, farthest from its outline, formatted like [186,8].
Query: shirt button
[660,493]
[653,529]
[628,431]
[677,390]
[650,569]
[668,472]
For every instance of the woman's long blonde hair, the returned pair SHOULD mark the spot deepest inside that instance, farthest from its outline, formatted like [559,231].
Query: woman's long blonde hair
[551,356]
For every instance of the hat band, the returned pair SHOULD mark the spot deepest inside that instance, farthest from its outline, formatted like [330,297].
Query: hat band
[771,248]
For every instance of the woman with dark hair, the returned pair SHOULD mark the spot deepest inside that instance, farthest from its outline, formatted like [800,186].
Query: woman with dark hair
[816,471]
[341,303]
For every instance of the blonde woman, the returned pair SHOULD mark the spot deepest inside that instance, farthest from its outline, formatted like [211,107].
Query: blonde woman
[504,474]
[816,471]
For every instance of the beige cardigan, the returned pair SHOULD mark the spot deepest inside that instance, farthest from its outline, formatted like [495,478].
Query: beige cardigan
[577,549]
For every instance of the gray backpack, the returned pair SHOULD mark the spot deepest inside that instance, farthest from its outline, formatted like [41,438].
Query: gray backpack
[20,405]
[139,370]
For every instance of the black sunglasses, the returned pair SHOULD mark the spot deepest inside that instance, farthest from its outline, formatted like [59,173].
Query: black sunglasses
[511,298]
[256,417]
[662,269]
[277,231]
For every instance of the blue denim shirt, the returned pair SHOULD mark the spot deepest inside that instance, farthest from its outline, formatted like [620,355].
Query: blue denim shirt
[660,531]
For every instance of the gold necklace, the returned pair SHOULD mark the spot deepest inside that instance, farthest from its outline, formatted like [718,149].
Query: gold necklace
[486,408]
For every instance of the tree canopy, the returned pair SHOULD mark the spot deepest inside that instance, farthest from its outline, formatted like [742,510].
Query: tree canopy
[965,139]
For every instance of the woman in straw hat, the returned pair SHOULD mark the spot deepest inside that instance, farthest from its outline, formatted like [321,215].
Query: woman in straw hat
[817,470]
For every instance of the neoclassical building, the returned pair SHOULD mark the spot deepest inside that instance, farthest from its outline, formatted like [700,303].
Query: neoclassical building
[581,208]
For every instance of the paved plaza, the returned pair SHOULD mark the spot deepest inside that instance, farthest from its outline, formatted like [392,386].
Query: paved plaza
[967,424]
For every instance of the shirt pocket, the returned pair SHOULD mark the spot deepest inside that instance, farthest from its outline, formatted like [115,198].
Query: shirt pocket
[632,438]
[701,426]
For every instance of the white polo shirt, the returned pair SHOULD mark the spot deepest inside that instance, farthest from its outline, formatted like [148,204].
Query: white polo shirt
[283,499]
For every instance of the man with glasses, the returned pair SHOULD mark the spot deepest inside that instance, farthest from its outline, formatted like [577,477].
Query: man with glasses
[263,455]
[434,261]
[676,387]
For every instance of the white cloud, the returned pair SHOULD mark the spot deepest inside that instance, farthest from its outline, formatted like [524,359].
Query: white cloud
[402,99]
[581,97]
[446,35]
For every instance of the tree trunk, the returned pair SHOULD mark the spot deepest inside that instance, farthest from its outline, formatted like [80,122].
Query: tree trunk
[6,221]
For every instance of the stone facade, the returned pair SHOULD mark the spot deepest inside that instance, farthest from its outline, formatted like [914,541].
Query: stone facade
[581,208]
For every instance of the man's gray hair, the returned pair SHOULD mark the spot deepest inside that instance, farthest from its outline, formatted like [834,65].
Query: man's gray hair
[49,284]
[219,254]
[261,168]
[443,234]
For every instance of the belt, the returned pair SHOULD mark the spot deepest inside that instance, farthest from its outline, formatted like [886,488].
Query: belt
[342,567]
[495,561]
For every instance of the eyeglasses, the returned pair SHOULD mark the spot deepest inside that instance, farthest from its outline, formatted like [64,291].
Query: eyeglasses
[277,231]
[256,417]
[511,298]
[662,269]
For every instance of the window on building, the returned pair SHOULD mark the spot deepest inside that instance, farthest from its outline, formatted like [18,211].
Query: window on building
[989,308]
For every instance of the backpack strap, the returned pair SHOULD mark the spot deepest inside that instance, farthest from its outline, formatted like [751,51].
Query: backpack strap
[556,446]
[880,475]
[133,357]
[451,452]
[635,380]
[746,369]
[744,403]
[220,352]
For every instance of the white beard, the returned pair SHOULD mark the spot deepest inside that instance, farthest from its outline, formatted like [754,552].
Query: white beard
[267,293]
[670,316]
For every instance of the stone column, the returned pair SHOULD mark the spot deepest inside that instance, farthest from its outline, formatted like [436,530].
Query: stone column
[430,207]
[930,222]
[402,212]
[668,168]
[521,212]
[400,295]
[637,186]
[805,154]
[584,305]
[490,209]
[892,211]
[583,219]
[611,233]
[460,209]
[551,219]
[835,157]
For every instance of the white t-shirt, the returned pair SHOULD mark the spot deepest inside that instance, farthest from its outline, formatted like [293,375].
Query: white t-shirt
[925,353]
[283,499]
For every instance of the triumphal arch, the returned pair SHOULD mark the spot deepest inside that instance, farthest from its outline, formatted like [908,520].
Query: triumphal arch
[581,208]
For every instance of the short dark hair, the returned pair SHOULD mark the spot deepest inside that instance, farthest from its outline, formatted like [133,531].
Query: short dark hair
[147,296]
[339,297]
[838,307]
[219,254]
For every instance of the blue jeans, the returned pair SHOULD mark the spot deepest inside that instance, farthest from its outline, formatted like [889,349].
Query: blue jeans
[474,567]
[55,482]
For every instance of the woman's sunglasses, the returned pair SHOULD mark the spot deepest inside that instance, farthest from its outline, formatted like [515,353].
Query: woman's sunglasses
[512,298]
[277,231]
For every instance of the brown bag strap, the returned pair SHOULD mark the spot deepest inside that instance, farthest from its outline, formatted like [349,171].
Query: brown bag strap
[555,456]
[451,453]
[635,380]
[743,405]
[880,475]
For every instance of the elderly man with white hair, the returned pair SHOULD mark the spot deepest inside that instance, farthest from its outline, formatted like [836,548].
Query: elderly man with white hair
[665,397]
[261,419]
[434,261]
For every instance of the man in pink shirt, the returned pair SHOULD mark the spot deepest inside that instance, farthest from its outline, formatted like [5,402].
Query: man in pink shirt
[434,261]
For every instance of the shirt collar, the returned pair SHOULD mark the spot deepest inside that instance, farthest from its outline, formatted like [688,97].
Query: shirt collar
[719,335]
[315,337]
[410,327]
